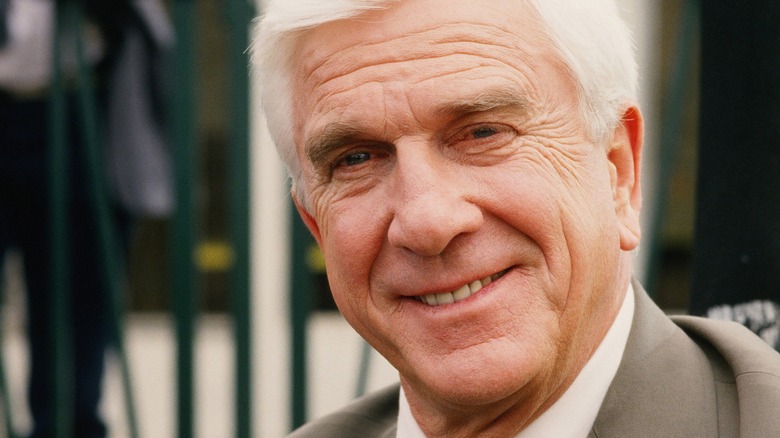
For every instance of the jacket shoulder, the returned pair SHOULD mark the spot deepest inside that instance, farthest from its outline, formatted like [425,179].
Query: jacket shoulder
[741,349]
[374,415]
[746,371]
[688,376]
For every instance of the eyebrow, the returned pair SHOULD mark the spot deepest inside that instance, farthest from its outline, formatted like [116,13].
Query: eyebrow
[489,100]
[332,137]
[336,134]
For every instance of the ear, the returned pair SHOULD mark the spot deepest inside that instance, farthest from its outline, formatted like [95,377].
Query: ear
[308,219]
[624,153]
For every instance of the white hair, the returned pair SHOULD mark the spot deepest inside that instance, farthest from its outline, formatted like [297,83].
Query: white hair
[592,39]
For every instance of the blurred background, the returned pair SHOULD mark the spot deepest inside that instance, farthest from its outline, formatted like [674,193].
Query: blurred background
[226,326]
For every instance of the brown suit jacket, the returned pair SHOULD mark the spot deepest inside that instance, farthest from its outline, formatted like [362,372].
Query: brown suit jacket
[680,377]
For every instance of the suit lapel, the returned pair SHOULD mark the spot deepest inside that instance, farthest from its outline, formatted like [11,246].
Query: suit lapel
[663,378]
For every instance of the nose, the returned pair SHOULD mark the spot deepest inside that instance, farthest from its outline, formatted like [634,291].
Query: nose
[431,205]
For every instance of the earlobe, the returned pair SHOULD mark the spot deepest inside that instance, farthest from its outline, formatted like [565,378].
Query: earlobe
[307,219]
[625,157]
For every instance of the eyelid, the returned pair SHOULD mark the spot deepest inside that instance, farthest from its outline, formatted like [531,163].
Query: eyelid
[469,129]
[343,158]
[375,150]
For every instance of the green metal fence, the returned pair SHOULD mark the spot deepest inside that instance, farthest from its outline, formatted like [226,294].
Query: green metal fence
[240,12]
[59,226]
[185,290]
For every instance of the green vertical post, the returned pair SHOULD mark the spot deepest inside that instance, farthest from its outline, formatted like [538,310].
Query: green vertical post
[184,229]
[109,249]
[300,305]
[239,14]
[58,206]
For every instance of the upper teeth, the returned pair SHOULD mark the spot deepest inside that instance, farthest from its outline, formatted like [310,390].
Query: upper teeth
[459,294]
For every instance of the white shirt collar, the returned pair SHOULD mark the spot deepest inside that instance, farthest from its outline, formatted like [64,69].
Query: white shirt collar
[573,415]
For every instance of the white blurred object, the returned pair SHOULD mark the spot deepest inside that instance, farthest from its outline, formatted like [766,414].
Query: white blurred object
[26,60]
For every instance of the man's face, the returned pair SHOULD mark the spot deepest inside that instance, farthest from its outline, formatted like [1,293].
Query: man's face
[472,231]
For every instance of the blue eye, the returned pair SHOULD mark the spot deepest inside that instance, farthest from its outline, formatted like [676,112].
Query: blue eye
[357,158]
[483,132]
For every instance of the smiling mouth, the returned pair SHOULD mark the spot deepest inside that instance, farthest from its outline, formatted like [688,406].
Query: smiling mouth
[461,293]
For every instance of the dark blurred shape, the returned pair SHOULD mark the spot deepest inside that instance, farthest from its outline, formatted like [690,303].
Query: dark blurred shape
[125,43]
[736,255]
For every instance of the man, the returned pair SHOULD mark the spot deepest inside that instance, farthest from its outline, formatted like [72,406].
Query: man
[471,173]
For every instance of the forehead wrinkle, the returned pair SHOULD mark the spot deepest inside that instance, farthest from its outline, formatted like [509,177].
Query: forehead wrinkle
[424,44]
[330,88]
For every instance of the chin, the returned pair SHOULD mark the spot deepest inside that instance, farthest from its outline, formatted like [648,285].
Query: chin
[479,382]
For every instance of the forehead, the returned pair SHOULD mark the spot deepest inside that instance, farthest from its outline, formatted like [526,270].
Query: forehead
[415,28]
[421,49]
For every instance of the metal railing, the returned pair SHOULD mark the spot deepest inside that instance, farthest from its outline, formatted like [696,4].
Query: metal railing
[240,13]
[185,290]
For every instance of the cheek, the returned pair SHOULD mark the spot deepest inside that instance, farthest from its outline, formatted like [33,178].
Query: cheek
[531,204]
[350,250]
[352,239]
[567,218]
